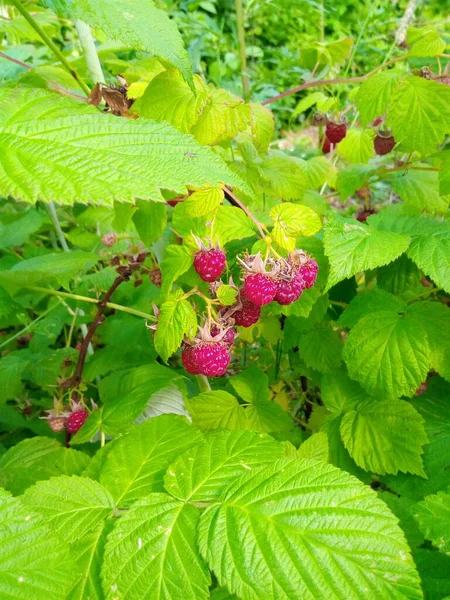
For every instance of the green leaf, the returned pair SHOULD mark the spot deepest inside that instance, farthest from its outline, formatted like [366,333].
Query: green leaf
[11,368]
[352,178]
[152,550]
[308,101]
[317,171]
[34,562]
[226,294]
[431,253]
[367,302]
[425,41]
[388,353]
[136,464]
[385,436]
[177,260]
[88,554]
[315,447]
[252,385]
[88,153]
[35,459]
[295,516]
[16,229]
[374,95]
[139,24]
[283,177]
[73,506]
[176,319]
[401,507]
[232,223]
[321,348]
[204,202]
[222,594]
[419,114]
[433,567]
[217,409]
[202,473]
[150,220]
[169,98]
[419,189]
[290,221]
[442,160]
[352,247]
[399,276]
[433,515]
[357,146]
[262,125]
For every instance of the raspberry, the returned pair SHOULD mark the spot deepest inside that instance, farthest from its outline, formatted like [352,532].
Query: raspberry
[363,193]
[308,273]
[212,358]
[325,145]
[188,360]
[76,420]
[156,276]
[260,289]
[57,424]
[336,132]
[109,239]
[228,338]
[210,264]
[383,144]
[362,215]
[289,291]
[248,315]
[421,389]
[377,121]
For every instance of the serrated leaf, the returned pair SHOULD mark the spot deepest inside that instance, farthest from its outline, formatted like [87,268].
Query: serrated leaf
[433,567]
[317,171]
[374,95]
[73,506]
[388,353]
[232,223]
[139,24]
[150,220]
[88,153]
[11,368]
[419,189]
[425,41]
[152,550]
[35,459]
[352,247]
[176,319]
[88,553]
[290,221]
[169,98]
[202,473]
[262,126]
[252,385]
[433,516]
[217,409]
[136,464]
[168,401]
[399,276]
[321,348]
[315,447]
[293,517]
[308,101]
[431,253]
[16,229]
[352,178]
[357,146]
[369,301]
[283,177]
[385,436]
[177,260]
[34,562]
[419,114]
[204,202]
[401,507]
[226,294]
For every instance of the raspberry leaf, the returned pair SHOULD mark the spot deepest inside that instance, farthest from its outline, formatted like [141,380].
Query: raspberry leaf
[262,126]
[217,409]
[419,189]
[153,548]
[320,347]
[315,447]
[425,41]
[388,353]
[431,253]
[263,501]
[352,247]
[283,176]
[374,95]
[176,319]
[226,294]
[433,516]
[290,221]
[73,506]
[150,220]
[177,260]
[367,302]
[204,202]
[202,473]
[357,146]
[352,178]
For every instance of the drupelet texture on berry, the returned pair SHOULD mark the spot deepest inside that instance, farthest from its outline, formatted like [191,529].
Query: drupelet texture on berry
[260,289]
[210,264]
[212,358]
[76,420]
[188,360]
[308,272]
[290,291]
[383,144]
[335,132]
[248,315]
[228,338]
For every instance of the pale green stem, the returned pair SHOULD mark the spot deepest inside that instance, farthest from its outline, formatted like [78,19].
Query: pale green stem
[22,331]
[203,383]
[90,51]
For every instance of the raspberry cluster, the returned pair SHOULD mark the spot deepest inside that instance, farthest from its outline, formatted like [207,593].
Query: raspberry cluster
[280,280]
[72,420]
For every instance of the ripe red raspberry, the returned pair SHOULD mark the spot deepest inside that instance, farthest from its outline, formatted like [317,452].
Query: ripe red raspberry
[336,132]
[308,273]
[290,291]
[383,144]
[188,360]
[362,215]
[228,338]
[210,264]
[325,145]
[212,358]
[57,424]
[248,315]
[76,420]
[260,289]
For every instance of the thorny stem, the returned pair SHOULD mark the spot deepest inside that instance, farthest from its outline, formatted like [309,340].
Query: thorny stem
[49,42]
[234,200]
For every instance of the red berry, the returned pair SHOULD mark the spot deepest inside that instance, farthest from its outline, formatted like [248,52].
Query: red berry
[362,216]
[290,291]
[308,273]
[228,338]
[249,314]
[336,132]
[76,421]
[377,121]
[421,389]
[212,358]
[210,264]
[383,144]
[326,145]
[260,289]
[57,424]
[188,360]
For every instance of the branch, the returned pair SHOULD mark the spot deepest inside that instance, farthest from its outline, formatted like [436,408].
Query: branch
[234,200]
[405,22]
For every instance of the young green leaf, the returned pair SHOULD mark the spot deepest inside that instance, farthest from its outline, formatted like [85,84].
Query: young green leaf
[217,409]
[150,220]
[374,95]
[431,253]
[419,189]
[177,260]
[433,516]
[290,221]
[204,202]
[320,347]
[357,146]
[367,302]
[176,319]
[315,447]
[226,294]
[425,41]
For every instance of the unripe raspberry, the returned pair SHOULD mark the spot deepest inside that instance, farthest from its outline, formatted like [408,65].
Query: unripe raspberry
[109,239]
[309,272]
[76,420]
[383,144]
[57,424]
[336,132]
[212,358]
[210,264]
[156,276]
[228,338]
[260,289]
[188,360]
[248,315]
[290,291]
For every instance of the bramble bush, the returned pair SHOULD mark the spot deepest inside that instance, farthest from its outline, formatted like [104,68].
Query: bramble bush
[225,367]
